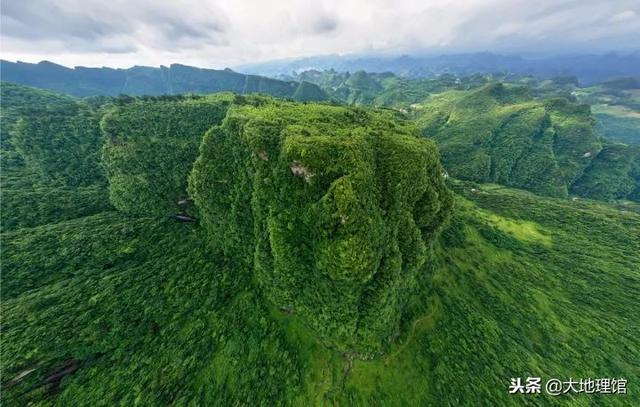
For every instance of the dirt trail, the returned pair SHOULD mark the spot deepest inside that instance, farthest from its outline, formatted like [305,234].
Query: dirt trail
[412,331]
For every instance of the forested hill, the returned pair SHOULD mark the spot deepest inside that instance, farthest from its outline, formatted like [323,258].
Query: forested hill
[551,137]
[243,250]
[499,133]
[588,68]
[142,80]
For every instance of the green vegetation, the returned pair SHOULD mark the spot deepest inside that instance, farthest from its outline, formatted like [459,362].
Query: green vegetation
[499,133]
[150,147]
[308,92]
[61,145]
[53,135]
[385,89]
[33,205]
[613,174]
[149,314]
[21,101]
[334,208]
[331,263]
[616,108]
[621,129]
[137,311]
[516,291]
[50,169]
[528,133]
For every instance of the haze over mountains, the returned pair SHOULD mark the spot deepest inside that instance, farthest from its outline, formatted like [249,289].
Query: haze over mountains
[142,80]
[588,68]
[259,77]
[228,33]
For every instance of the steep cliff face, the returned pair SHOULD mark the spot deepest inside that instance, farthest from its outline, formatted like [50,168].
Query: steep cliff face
[334,208]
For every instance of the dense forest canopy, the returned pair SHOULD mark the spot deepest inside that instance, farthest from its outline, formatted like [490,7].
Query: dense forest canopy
[149,149]
[549,145]
[520,131]
[232,249]
[50,157]
[500,134]
[335,209]
[330,203]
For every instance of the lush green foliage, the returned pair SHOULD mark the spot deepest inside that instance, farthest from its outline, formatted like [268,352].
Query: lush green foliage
[307,210]
[619,129]
[334,208]
[500,134]
[527,133]
[308,92]
[540,287]
[34,205]
[63,146]
[150,147]
[520,285]
[50,169]
[18,101]
[384,89]
[144,309]
[54,135]
[616,108]
[613,174]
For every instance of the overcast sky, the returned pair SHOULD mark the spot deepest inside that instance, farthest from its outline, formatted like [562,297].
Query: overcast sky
[220,33]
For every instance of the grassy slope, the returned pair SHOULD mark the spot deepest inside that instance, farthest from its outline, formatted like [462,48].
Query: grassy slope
[533,286]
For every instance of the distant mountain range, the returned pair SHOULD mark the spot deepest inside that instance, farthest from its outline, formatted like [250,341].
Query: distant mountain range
[141,80]
[588,69]
[261,77]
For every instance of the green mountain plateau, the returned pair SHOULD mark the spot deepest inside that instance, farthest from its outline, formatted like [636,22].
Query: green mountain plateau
[404,242]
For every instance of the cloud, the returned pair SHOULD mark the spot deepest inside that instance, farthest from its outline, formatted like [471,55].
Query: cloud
[33,20]
[218,33]
[623,16]
[325,24]
[115,26]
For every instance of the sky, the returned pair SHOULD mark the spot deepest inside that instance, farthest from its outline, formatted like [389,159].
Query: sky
[221,33]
